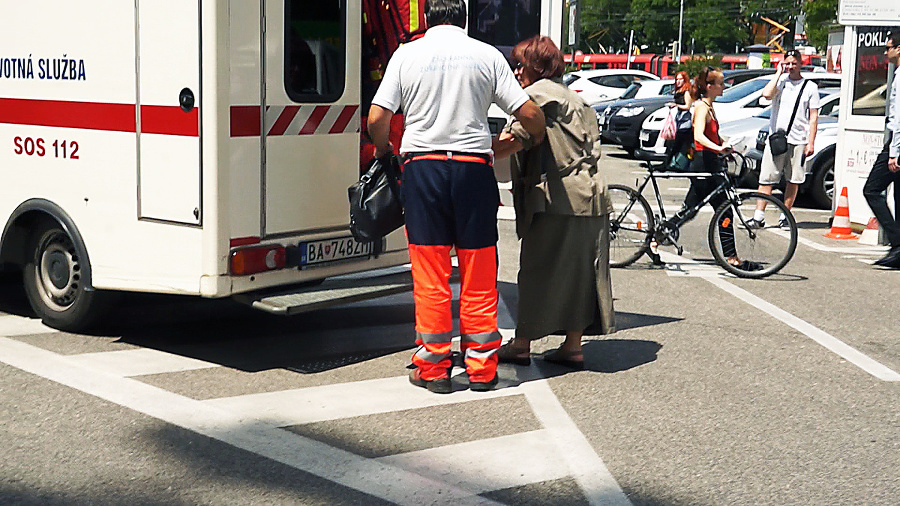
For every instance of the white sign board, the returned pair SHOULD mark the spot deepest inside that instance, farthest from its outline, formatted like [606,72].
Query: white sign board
[573,25]
[869,12]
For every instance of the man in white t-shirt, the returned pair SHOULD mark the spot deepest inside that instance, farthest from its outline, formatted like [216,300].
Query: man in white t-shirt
[444,83]
[787,92]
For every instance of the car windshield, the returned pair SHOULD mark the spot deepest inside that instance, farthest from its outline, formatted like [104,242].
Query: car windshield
[569,78]
[631,91]
[742,90]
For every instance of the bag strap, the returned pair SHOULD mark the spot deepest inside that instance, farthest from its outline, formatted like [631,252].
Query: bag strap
[796,106]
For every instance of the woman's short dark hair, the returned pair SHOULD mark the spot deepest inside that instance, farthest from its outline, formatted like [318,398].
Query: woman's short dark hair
[541,56]
[446,12]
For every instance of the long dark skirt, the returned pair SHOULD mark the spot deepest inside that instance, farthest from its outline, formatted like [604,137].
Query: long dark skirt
[564,281]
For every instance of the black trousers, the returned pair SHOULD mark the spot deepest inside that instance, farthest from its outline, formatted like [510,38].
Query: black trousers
[879,179]
[708,161]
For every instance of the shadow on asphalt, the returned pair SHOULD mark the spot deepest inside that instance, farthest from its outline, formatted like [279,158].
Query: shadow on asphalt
[617,355]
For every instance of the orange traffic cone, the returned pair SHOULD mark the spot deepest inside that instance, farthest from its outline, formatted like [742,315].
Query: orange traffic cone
[840,224]
[869,236]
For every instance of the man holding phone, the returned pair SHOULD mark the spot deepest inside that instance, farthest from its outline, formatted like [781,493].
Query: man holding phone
[795,115]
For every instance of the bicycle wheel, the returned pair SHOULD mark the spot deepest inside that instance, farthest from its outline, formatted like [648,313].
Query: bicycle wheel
[762,251]
[630,226]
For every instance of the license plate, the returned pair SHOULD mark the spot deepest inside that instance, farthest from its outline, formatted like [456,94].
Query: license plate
[329,250]
[645,136]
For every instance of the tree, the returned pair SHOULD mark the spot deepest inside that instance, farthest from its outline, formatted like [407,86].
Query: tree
[653,20]
[821,16]
[603,24]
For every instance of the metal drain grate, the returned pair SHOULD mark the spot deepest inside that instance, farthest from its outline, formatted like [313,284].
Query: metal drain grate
[326,364]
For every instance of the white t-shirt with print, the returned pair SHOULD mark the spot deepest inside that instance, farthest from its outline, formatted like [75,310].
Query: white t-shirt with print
[444,83]
[783,106]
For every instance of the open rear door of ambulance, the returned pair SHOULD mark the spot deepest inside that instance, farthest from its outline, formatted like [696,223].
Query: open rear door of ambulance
[310,148]
[311,128]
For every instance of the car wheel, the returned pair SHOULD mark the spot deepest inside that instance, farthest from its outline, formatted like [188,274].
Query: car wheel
[822,190]
[54,283]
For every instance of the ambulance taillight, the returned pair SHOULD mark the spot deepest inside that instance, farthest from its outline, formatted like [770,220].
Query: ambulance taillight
[248,261]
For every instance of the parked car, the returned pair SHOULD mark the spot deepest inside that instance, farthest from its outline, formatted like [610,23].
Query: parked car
[738,76]
[620,122]
[604,84]
[819,183]
[742,101]
[661,89]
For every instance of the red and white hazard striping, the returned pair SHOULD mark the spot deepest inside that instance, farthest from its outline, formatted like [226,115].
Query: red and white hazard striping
[295,120]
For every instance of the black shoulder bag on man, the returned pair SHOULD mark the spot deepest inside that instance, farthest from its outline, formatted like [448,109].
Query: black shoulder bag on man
[778,143]
[375,206]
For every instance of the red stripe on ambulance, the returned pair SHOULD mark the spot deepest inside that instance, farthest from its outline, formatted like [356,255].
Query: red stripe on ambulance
[155,119]
[294,120]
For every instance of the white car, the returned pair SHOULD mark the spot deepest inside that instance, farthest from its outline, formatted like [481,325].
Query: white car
[604,84]
[741,101]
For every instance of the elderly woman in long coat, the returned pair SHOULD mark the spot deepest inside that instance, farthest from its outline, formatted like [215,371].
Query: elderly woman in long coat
[562,209]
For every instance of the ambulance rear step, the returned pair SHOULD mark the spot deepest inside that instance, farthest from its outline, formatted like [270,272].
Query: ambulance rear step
[331,292]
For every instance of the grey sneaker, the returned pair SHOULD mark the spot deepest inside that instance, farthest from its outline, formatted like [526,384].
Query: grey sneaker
[754,224]
[783,223]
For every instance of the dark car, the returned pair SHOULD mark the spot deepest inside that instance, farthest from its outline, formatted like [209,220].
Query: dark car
[620,123]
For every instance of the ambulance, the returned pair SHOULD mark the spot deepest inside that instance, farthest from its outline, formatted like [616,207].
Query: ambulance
[201,147]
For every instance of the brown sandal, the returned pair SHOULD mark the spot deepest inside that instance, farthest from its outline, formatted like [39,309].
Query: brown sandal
[564,358]
[507,354]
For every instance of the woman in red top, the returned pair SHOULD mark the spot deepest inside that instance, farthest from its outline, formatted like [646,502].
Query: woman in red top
[708,86]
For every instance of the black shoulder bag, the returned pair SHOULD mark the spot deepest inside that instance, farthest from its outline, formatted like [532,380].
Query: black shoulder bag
[778,143]
[375,206]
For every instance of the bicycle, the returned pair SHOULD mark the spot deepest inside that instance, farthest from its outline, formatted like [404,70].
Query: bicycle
[763,251]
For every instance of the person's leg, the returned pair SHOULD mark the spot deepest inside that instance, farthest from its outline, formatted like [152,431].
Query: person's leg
[572,344]
[475,202]
[880,177]
[769,175]
[790,194]
[795,173]
[428,227]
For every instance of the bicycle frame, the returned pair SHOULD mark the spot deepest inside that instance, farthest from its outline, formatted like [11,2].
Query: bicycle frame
[727,187]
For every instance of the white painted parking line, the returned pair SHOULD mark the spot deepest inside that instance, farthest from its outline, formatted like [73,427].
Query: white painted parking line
[825,339]
[12,325]
[853,248]
[139,362]
[369,476]
[514,461]
[596,482]
[344,400]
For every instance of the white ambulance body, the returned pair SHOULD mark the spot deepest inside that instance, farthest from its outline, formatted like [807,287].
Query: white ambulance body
[173,146]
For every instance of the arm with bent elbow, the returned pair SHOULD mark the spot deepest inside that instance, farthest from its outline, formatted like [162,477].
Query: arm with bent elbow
[532,119]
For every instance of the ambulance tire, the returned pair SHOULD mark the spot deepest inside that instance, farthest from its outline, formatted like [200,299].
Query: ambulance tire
[54,286]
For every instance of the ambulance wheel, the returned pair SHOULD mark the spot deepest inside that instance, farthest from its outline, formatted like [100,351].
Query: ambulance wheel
[54,282]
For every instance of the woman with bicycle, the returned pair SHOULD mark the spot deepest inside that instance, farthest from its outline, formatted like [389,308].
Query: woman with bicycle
[562,209]
[708,145]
